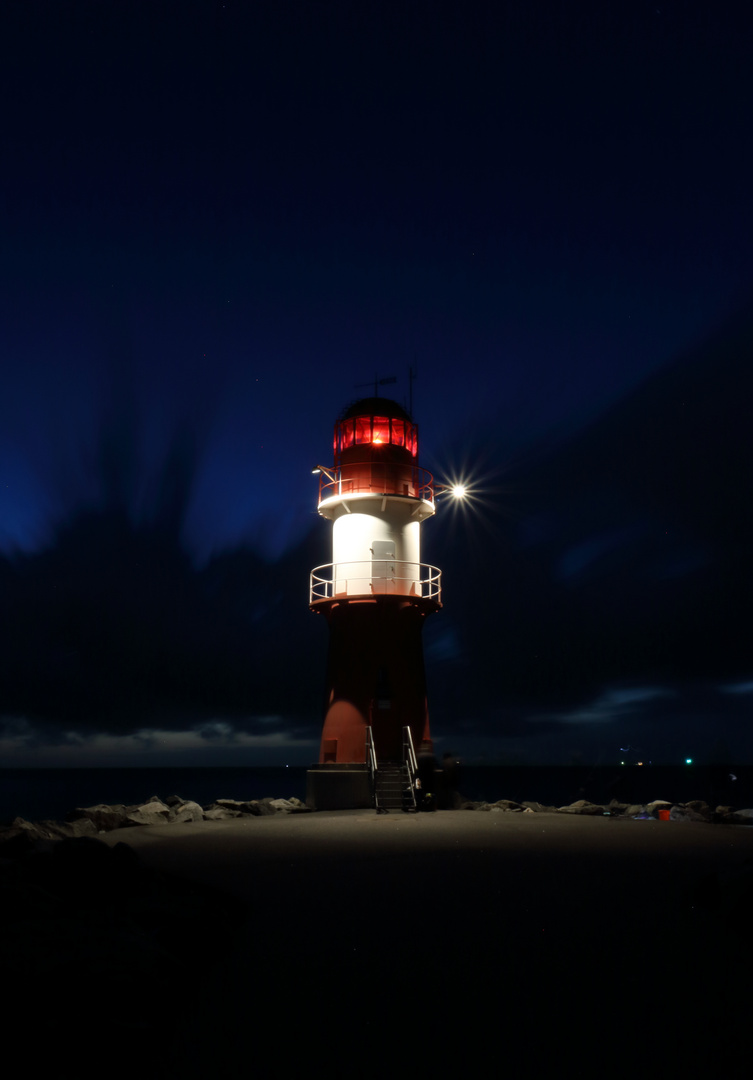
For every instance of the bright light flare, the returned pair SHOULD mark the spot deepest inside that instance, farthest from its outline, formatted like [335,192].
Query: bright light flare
[459,494]
[467,494]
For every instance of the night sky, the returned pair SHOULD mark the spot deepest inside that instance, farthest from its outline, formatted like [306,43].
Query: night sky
[222,221]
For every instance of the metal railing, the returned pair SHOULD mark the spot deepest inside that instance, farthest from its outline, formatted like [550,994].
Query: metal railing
[371,761]
[410,762]
[377,478]
[409,754]
[375,577]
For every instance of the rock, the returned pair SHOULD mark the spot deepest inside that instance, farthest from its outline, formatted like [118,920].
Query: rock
[104,817]
[657,805]
[153,812]
[581,806]
[741,817]
[69,830]
[534,807]
[282,805]
[185,812]
[687,813]
[243,807]
[219,813]
[37,831]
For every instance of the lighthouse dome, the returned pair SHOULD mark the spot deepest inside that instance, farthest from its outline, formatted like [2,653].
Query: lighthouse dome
[373,406]
[375,426]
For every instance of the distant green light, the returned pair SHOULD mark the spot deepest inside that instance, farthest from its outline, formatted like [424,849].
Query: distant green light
[688,761]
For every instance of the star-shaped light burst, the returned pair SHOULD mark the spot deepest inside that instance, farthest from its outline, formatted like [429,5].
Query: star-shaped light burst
[455,489]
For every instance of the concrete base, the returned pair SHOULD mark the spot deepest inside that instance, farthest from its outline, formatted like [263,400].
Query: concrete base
[338,787]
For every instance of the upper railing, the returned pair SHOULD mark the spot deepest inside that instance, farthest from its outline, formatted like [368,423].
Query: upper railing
[375,577]
[377,478]
[409,753]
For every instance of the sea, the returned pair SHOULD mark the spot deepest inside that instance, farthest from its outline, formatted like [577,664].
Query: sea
[39,794]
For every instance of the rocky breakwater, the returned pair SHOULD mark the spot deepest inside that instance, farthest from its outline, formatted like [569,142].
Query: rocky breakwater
[660,809]
[174,810]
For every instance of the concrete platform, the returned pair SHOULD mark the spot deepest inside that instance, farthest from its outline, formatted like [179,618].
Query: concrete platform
[537,939]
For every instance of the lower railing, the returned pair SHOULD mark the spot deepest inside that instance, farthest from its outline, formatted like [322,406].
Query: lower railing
[409,753]
[410,762]
[375,577]
[371,761]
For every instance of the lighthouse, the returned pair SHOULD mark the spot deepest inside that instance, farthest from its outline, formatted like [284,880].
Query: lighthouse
[375,596]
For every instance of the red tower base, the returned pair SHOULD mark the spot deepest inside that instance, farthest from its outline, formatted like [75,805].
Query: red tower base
[375,678]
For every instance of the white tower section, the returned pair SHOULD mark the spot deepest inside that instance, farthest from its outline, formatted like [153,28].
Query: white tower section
[376,543]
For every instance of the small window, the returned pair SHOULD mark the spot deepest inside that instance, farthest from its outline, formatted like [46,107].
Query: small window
[346,434]
[381,430]
[363,429]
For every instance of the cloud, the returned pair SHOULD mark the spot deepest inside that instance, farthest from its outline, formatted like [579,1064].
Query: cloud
[738,688]
[609,706]
[216,731]
[581,557]
[217,743]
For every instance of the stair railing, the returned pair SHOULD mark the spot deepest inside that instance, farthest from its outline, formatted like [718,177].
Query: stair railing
[410,762]
[371,760]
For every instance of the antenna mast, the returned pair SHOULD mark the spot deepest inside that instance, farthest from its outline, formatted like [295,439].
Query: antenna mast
[411,376]
[377,383]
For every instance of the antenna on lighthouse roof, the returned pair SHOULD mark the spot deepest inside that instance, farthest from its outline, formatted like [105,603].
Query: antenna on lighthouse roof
[377,383]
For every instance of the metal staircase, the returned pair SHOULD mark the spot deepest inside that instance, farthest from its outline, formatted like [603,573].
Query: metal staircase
[394,790]
[393,783]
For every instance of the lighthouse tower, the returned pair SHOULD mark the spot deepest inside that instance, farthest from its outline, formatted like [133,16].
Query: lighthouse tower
[375,595]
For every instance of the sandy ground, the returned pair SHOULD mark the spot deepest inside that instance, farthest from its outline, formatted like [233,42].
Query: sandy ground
[441,942]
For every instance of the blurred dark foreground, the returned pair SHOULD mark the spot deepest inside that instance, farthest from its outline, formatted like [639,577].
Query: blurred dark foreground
[541,941]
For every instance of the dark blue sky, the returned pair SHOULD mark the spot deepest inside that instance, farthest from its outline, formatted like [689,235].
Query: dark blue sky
[220,218]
